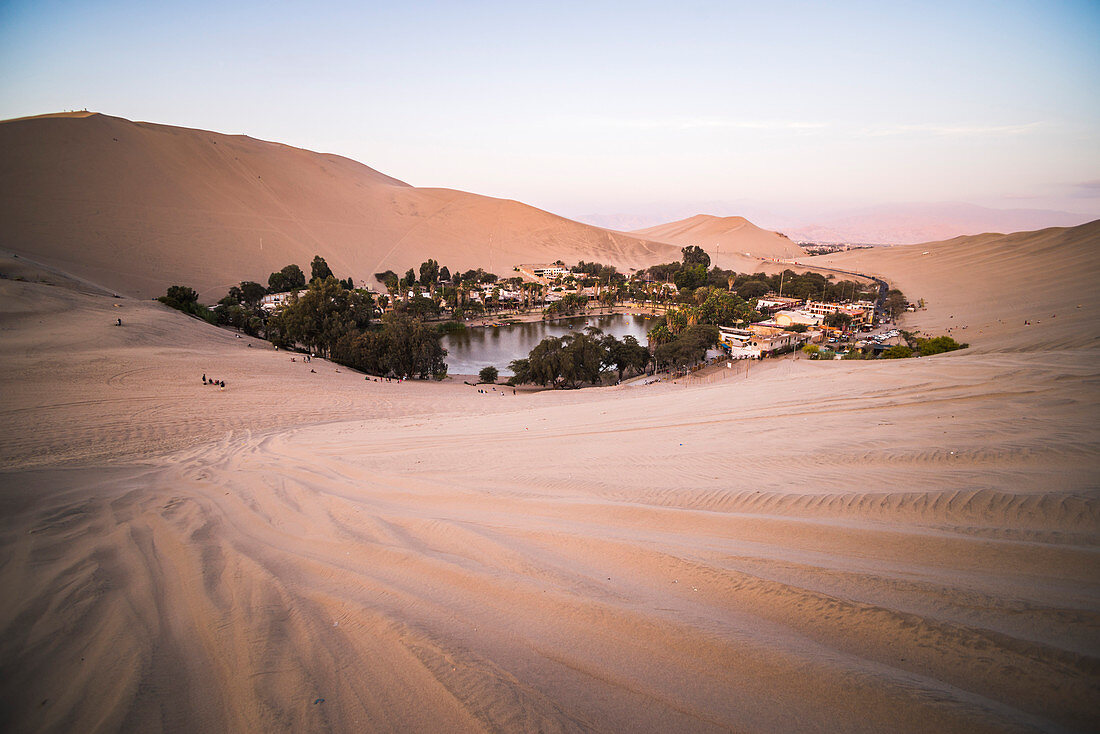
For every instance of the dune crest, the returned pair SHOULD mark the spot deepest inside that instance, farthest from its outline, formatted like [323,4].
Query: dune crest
[903,546]
[730,236]
[138,206]
[1025,291]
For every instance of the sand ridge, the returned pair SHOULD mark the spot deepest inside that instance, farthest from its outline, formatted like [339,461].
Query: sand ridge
[724,237]
[139,207]
[845,546]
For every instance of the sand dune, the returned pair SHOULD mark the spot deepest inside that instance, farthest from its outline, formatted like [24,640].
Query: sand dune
[890,546]
[907,546]
[982,289]
[916,223]
[138,207]
[724,237]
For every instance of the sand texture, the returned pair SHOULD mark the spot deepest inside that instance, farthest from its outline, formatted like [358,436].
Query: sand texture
[904,546]
[138,207]
[723,237]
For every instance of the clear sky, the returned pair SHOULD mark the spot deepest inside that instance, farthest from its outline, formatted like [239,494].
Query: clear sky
[603,107]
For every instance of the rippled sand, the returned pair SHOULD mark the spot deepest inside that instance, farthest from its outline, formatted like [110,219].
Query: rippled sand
[815,547]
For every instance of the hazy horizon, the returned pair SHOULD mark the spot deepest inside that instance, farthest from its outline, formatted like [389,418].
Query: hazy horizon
[598,109]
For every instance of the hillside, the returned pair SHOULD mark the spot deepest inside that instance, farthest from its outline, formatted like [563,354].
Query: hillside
[924,222]
[722,237]
[137,207]
[902,546]
[982,288]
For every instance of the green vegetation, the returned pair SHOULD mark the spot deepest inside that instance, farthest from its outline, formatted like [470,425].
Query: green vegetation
[625,355]
[320,269]
[570,304]
[692,273]
[325,314]
[895,303]
[695,255]
[938,345]
[402,346]
[687,347]
[288,279]
[898,351]
[578,358]
[567,361]
[488,374]
[185,299]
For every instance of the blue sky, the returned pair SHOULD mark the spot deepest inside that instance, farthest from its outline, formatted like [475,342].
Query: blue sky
[609,107]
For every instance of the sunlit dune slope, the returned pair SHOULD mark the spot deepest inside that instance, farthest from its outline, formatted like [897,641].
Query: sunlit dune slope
[138,206]
[723,236]
[830,546]
[981,289]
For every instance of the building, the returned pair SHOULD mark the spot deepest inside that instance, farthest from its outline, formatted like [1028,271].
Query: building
[783,319]
[771,302]
[858,312]
[754,343]
[272,301]
[542,271]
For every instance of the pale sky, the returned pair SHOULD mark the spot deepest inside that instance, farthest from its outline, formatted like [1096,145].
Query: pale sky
[606,107]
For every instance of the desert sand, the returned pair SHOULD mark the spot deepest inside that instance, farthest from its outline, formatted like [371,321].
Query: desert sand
[903,546]
[138,207]
[726,239]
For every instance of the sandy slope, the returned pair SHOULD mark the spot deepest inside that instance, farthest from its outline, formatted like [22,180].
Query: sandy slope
[723,237]
[138,207]
[908,546]
[982,289]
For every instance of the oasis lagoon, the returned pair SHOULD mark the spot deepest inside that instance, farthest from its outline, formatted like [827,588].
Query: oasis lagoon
[481,347]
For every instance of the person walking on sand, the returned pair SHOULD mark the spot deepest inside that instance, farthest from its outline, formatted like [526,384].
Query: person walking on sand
[204,378]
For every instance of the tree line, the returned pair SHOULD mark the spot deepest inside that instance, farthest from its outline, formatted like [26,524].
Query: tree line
[330,318]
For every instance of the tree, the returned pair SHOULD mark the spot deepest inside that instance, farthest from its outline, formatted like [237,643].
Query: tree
[288,279]
[521,371]
[688,347]
[178,296]
[410,278]
[388,278]
[838,320]
[444,273]
[752,289]
[691,276]
[325,314]
[898,351]
[895,303]
[567,361]
[319,269]
[938,345]
[625,355]
[694,255]
[722,308]
[252,294]
[185,299]
[429,273]
[488,374]
[401,346]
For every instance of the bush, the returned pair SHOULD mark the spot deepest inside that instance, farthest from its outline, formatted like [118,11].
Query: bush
[938,345]
[185,299]
[898,351]
[488,374]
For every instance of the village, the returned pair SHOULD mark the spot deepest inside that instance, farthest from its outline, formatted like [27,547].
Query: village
[544,291]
